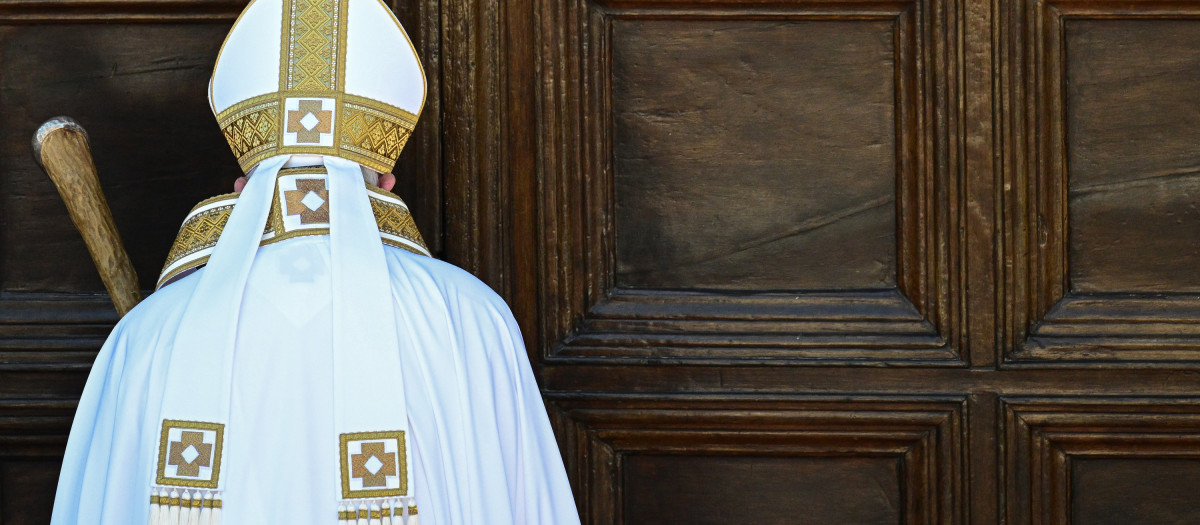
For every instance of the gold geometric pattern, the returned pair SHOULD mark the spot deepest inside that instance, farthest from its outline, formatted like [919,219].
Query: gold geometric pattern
[385,512]
[313,45]
[296,201]
[373,475]
[253,130]
[201,458]
[373,133]
[360,466]
[369,132]
[322,122]
[191,444]
[200,231]
[395,220]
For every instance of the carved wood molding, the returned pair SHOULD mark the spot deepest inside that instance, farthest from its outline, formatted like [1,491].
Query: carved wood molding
[51,333]
[1047,324]
[1043,436]
[32,428]
[926,436]
[585,317]
[70,11]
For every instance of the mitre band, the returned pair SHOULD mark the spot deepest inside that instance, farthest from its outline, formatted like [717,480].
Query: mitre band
[366,131]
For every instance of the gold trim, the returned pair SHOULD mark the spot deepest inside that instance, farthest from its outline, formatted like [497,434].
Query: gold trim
[401,464]
[340,65]
[252,128]
[201,230]
[304,170]
[315,33]
[162,478]
[367,131]
[399,511]
[166,278]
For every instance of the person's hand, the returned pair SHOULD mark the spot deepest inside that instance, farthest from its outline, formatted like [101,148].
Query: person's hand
[387,181]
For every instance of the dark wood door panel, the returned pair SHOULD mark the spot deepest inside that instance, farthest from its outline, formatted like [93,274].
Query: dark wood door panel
[714,490]
[1135,491]
[140,91]
[1132,121]
[717,175]
[33,434]
[741,169]
[659,459]
[1102,207]
[1101,460]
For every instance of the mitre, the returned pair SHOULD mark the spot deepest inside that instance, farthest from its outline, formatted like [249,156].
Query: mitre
[338,78]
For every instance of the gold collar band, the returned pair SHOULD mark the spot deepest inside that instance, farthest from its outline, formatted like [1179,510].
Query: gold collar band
[300,207]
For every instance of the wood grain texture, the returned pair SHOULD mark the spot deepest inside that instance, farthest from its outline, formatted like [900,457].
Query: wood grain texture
[714,490]
[140,91]
[1127,302]
[64,153]
[419,179]
[994,381]
[1135,491]
[611,440]
[1049,440]
[33,434]
[1132,156]
[754,156]
[633,174]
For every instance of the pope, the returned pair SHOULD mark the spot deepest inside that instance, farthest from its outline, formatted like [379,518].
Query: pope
[304,360]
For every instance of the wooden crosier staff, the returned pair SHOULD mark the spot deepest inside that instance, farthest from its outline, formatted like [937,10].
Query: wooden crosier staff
[61,148]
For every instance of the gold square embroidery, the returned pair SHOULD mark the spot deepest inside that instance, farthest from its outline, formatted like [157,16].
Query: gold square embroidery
[374,464]
[189,453]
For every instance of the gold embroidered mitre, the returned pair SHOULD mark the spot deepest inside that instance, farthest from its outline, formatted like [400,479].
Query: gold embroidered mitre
[323,77]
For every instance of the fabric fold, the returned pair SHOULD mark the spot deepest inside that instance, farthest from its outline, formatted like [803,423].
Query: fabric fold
[195,404]
[371,412]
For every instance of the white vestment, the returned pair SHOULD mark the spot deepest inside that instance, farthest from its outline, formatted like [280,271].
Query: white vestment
[483,451]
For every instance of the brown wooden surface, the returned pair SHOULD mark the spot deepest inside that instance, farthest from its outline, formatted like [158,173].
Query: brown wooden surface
[746,170]
[897,261]
[62,149]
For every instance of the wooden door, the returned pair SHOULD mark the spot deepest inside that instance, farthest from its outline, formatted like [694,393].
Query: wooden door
[776,261]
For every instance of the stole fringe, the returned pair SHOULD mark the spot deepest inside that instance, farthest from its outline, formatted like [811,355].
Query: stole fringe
[386,511]
[176,506]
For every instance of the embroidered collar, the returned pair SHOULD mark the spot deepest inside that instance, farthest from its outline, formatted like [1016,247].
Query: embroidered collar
[300,207]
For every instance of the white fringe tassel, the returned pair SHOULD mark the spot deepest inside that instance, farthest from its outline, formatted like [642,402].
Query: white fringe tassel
[387,511]
[174,506]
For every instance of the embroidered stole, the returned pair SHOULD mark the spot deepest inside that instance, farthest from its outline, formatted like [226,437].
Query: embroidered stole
[374,447]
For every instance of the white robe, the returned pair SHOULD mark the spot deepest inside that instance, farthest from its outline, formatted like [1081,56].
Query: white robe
[483,451]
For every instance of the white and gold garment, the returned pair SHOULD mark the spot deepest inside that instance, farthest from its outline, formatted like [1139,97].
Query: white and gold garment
[479,447]
[300,207]
[303,360]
